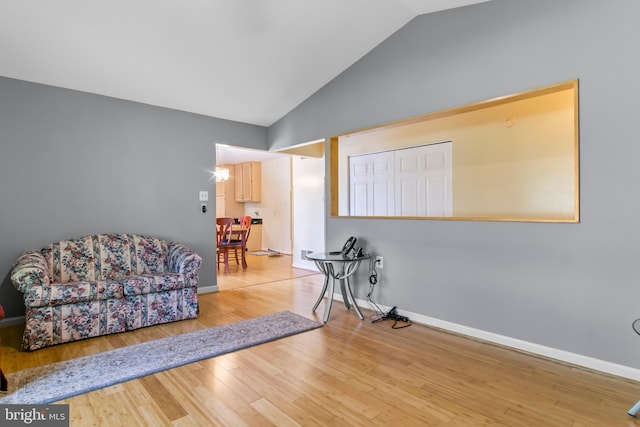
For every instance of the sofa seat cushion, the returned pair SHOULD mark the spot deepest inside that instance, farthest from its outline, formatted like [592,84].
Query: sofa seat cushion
[71,293]
[47,326]
[149,283]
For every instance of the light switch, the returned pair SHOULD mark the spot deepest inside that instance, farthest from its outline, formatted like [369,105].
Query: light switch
[204,196]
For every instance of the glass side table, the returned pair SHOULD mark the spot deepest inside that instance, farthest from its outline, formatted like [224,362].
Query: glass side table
[337,267]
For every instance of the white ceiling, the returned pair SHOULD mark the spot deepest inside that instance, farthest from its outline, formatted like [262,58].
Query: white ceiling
[251,61]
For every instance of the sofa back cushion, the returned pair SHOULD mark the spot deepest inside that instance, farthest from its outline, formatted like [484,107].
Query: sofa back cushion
[151,255]
[105,257]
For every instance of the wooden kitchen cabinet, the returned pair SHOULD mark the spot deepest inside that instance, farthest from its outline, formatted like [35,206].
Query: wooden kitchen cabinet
[254,243]
[248,182]
[226,204]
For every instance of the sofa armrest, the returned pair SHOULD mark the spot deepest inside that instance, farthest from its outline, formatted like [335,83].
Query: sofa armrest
[183,260]
[30,269]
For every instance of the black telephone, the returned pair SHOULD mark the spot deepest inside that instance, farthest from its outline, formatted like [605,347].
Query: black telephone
[348,246]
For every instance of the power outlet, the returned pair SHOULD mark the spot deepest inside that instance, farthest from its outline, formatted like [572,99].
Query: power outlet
[379,261]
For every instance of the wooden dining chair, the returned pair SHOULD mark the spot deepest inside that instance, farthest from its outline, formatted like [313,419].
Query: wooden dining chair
[224,231]
[240,237]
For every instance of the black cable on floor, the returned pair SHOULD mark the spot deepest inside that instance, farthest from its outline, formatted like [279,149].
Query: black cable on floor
[381,315]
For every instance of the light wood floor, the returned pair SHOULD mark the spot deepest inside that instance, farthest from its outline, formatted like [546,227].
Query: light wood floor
[260,270]
[347,373]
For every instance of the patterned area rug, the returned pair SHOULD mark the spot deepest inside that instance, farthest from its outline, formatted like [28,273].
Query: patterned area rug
[266,253]
[57,381]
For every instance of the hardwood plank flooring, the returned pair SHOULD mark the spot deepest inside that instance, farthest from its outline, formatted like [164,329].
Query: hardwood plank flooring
[260,270]
[347,373]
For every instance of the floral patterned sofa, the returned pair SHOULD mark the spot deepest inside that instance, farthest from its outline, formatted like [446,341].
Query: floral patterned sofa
[104,284]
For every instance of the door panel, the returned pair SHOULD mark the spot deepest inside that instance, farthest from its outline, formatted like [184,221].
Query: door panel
[371,184]
[408,182]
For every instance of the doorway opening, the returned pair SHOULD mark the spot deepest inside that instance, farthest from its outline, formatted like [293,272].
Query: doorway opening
[292,211]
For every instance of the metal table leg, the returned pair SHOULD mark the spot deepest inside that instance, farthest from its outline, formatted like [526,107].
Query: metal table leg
[344,292]
[330,291]
[347,295]
[355,305]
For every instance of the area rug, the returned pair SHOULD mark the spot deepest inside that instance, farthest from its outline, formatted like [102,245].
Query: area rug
[57,381]
[266,253]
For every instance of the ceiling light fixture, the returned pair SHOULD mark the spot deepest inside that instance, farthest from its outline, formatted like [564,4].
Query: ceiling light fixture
[221,173]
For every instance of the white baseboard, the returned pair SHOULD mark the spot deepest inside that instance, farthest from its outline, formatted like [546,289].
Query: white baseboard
[517,344]
[207,289]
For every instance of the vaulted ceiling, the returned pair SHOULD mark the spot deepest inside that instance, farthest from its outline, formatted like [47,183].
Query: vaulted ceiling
[251,61]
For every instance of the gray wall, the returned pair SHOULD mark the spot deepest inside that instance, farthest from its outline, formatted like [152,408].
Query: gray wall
[73,163]
[573,287]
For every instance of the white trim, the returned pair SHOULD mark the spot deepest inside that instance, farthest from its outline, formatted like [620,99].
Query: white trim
[207,289]
[517,344]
